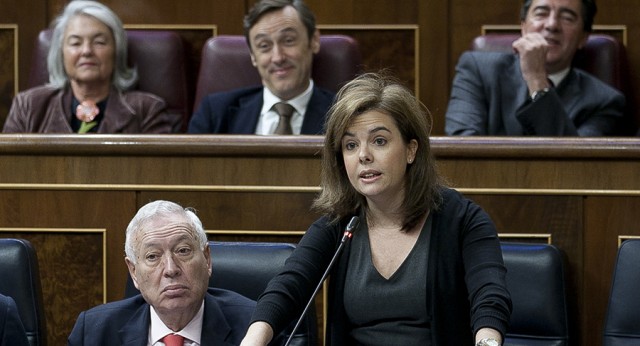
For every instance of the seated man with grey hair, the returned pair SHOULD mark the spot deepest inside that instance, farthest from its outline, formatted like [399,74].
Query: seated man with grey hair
[168,257]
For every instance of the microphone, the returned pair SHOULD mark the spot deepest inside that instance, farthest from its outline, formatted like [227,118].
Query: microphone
[348,233]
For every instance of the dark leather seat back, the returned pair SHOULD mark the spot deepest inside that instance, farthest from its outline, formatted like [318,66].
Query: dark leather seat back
[603,56]
[535,279]
[20,279]
[226,64]
[159,57]
[247,268]
[622,322]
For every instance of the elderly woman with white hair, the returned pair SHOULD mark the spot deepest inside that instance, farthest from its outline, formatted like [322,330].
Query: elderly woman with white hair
[89,81]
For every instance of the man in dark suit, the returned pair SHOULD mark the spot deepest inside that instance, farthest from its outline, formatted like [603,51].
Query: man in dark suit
[168,257]
[11,329]
[535,91]
[282,38]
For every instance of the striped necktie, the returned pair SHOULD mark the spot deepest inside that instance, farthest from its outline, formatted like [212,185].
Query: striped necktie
[285,111]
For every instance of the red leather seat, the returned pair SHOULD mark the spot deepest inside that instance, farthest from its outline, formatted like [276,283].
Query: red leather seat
[226,64]
[159,57]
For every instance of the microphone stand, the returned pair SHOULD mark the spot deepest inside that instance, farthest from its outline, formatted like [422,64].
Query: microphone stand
[348,233]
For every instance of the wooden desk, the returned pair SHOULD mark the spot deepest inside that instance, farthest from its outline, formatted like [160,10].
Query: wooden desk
[73,197]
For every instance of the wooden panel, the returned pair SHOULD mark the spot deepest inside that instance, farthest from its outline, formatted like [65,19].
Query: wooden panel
[128,170]
[435,47]
[243,160]
[268,212]
[364,12]
[29,16]
[393,48]
[8,68]
[227,14]
[543,173]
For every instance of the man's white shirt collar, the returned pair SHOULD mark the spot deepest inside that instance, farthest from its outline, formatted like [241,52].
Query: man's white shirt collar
[192,331]
[558,77]
[268,120]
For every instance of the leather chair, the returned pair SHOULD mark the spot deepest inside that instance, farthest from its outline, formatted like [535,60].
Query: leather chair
[622,322]
[21,281]
[603,56]
[535,279]
[159,57]
[226,64]
[246,268]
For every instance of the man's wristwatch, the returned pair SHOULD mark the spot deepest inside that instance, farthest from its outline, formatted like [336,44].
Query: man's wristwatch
[488,342]
[536,95]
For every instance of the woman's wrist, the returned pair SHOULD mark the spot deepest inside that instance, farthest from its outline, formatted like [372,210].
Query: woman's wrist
[259,334]
[488,337]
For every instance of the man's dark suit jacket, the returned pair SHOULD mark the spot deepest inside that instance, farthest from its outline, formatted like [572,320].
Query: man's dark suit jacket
[238,112]
[126,322]
[11,329]
[489,97]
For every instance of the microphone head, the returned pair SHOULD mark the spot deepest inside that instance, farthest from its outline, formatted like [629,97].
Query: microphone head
[353,224]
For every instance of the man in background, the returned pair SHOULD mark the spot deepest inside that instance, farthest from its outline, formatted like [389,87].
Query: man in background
[282,38]
[535,91]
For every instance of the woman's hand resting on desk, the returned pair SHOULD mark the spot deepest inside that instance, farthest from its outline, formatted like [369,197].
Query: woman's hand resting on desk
[258,334]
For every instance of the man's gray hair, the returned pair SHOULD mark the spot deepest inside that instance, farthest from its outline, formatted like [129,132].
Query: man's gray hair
[163,210]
